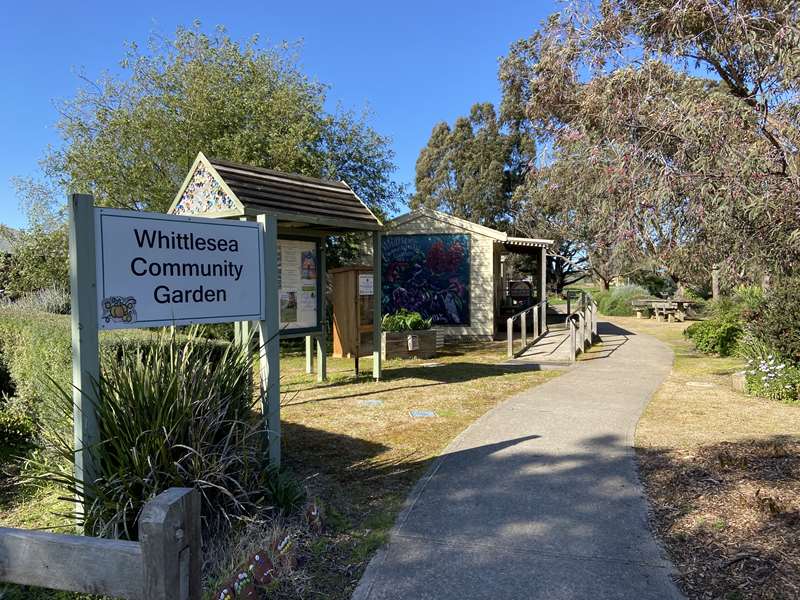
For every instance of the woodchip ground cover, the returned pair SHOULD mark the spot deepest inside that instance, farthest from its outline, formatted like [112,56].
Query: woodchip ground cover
[722,472]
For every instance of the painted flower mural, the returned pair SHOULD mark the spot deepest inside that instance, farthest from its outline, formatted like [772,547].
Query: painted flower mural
[428,274]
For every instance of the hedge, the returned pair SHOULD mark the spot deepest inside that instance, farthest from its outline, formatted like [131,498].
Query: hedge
[36,350]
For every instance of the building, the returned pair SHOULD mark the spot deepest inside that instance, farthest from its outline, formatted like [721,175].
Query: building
[450,270]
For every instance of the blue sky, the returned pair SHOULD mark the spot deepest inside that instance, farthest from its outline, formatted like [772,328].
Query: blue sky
[412,63]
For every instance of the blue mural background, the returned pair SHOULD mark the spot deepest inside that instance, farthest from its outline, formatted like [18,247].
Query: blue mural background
[428,274]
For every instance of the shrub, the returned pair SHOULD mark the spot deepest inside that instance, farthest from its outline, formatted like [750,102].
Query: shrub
[776,320]
[16,433]
[717,335]
[40,259]
[34,344]
[655,284]
[617,301]
[284,491]
[773,378]
[404,320]
[175,414]
[51,299]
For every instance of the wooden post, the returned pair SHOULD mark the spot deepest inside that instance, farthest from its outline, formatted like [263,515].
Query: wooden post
[322,340]
[573,350]
[535,313]
[377,251]
[523,328]
[510,336]
[85,344]
[269,341]
[543,286]
[169,534]
[309,355]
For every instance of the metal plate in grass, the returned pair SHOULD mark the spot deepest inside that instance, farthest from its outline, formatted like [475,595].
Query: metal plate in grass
[700,384]
[372,403]
[432,364]
[422,414]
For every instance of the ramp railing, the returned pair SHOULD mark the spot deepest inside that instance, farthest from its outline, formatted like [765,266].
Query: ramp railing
[582,323]
[535,315]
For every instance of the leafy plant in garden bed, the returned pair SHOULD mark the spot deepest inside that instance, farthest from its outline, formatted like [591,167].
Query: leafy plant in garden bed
[405,320]
[773,378]
[175,414]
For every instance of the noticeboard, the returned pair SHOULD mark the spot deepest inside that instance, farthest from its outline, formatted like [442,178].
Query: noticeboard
[299,285]
[156,270]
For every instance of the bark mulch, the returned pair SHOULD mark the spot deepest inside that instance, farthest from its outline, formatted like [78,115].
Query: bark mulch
[729,516]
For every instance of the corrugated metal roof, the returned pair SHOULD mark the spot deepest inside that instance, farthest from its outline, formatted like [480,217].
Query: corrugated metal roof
[528,242]
[295,197]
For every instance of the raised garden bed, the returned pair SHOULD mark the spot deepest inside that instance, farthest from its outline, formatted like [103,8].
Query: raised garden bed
[408,344]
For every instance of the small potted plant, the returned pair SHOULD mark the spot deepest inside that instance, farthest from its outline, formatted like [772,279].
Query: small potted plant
[406,334]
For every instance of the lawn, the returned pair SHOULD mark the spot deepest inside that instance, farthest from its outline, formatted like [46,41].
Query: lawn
[357,448]
[722,472]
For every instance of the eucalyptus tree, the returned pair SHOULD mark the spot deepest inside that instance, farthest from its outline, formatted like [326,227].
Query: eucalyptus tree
[678,170]
[471,169]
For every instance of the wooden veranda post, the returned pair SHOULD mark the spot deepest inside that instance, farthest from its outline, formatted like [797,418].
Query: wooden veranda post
[377,249]
[85,345]
[543,288]
[269,341]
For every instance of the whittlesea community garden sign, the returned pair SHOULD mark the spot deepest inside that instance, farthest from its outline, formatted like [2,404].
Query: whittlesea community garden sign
[155,270]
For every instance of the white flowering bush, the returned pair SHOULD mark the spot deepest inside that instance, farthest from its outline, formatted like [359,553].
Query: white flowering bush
[771,377]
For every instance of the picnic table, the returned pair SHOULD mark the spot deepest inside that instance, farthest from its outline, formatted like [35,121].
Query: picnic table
[670,309]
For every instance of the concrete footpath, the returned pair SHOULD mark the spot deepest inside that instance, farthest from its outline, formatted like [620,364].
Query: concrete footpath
[540,498]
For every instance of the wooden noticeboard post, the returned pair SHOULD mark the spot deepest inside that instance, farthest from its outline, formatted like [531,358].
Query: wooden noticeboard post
[353,312]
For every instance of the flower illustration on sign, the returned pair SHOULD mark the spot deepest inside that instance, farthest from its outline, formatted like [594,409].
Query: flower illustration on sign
[119,309]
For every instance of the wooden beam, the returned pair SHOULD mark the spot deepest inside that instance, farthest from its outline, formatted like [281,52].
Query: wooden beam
[269,341]
[72,563]
[85,345]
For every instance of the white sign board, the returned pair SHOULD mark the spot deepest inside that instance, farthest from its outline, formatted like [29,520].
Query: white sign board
[298,284]
[155,270]
[365,283]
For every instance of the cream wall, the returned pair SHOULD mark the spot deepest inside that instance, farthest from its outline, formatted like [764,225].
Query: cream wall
[481,280]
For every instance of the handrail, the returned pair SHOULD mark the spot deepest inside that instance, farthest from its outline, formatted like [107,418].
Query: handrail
[539,325]
[586,314]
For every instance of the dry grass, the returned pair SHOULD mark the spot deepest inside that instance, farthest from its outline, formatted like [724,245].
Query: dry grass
[362,460]
[722,472]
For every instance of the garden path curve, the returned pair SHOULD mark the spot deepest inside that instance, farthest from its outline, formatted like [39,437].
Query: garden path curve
[540,498]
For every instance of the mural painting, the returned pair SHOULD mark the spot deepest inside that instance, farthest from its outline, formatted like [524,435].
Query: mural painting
[428,274]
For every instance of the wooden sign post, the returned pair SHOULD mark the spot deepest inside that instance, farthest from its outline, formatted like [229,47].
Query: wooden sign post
[136,269]
[85,344]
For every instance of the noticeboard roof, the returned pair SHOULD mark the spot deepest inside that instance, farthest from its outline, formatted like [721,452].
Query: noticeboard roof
[220,188]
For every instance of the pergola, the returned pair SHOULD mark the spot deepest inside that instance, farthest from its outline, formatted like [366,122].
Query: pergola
[289,207]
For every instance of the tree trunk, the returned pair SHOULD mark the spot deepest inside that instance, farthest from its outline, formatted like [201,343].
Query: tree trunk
[715,283]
